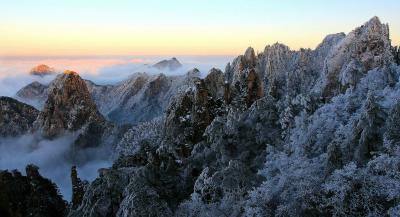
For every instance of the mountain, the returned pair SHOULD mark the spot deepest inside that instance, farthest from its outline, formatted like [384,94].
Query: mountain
[70,108]
[170,65]
[278,133]
[34,94]
[16,118]
[139,98]
[42,70]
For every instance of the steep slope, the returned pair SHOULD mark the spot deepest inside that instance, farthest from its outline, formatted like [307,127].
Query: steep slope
[140,98]
[69,108]
[365,48]
[16,118]
[34,94]
[280,133]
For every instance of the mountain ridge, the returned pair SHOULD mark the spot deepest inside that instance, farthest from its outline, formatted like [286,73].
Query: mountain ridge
[278,133]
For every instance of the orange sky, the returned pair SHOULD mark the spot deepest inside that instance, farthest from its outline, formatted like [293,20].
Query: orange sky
[224,27]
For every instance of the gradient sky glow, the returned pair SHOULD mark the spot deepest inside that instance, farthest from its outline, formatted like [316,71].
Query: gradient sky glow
[179,27]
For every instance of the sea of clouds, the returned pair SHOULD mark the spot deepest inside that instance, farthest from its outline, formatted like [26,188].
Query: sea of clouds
[53,156]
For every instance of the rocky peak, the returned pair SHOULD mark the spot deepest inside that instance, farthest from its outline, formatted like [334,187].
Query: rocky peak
[365,48]
[277,57]
[78,188]
[193,73]
[214,82]
[171,64]
[191,111]
[250,56]
[16,118]
[243,82]
[34,93]
[69,107]
[42,70]
[157,86]
[31,90]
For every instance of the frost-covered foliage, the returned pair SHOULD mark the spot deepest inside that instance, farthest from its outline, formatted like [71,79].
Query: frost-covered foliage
[280,133]
[147,132]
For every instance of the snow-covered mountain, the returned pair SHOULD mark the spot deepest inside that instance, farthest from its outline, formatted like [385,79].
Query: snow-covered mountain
[279,133]
[139,98]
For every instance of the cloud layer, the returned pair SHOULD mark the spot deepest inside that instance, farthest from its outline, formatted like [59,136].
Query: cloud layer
[51,156]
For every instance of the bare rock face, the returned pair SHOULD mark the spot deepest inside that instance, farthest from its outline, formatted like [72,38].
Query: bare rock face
[69,107]
[16,118]
[42,70]
[171,65]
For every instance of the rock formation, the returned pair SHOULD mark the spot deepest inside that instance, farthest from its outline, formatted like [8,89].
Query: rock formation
[279,133]
[281,106]
[78,188]
[142,97]
[16,118]
[69,108]
[34,94]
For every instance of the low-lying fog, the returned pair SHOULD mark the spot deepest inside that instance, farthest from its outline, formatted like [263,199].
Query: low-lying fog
[52,156]
[14,71]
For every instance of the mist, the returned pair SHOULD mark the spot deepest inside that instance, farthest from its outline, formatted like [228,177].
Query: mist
[14,71]
[52,157]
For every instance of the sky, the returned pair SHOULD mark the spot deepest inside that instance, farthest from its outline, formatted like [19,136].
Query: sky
[179,27]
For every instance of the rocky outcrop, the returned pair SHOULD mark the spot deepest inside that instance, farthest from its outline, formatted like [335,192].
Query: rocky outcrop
[244,82]
[16,118]
[214,82]
[282,132]
[365,48]
[78,188]
[34,94]
[170,65]
[103,196]
[140,98]
[69,108]
[30,195]
[42,70]
[191,111]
